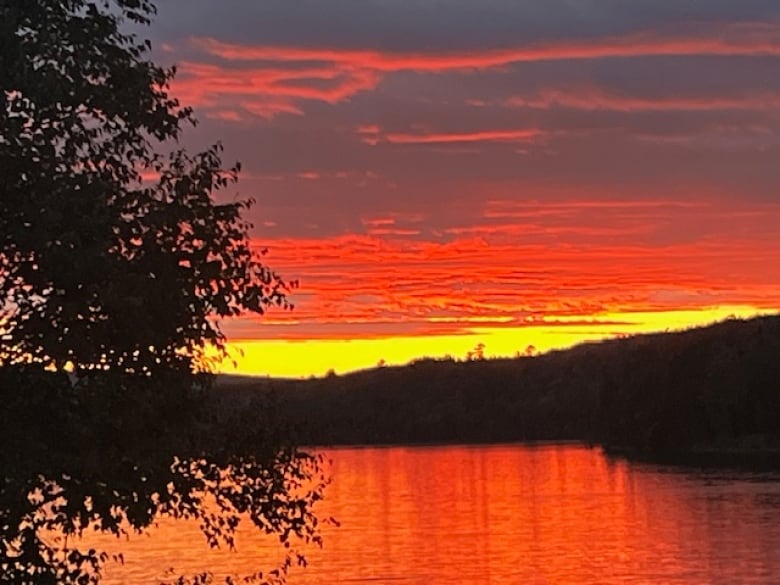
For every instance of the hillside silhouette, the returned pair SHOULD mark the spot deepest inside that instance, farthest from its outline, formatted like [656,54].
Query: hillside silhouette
[710,392]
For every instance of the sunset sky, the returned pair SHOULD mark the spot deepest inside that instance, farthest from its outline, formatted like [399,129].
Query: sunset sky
[439,174]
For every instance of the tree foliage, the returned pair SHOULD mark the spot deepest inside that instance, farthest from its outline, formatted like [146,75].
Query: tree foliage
[117,262]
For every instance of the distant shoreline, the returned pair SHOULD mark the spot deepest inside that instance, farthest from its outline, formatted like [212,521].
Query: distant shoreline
[708,396]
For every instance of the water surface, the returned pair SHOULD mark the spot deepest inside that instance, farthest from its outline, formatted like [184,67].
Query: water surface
[549,514]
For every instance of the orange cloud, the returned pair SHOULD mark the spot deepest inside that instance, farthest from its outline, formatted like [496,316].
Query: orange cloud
[393,232]
[576,259]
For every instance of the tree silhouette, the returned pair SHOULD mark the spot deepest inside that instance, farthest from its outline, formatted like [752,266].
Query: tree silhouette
[478,353]
[112,287]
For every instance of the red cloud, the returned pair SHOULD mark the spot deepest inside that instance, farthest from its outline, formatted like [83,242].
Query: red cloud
[283,76]
[742,39]
[264,91]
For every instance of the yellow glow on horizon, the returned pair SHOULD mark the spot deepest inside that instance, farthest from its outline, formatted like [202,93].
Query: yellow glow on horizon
[281,358]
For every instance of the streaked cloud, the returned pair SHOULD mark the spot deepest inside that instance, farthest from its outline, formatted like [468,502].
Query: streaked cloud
[566,260]
[593,98]
[503,135]
[748,39]
[278,78]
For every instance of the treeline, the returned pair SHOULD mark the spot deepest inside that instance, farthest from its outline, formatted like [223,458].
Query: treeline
[713,388]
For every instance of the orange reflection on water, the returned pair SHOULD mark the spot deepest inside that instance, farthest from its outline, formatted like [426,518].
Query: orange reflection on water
[482,515]
[511,514]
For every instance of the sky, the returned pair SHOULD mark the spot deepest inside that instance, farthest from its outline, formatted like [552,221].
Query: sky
[525,175]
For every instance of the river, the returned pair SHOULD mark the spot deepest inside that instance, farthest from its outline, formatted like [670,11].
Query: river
[546,514]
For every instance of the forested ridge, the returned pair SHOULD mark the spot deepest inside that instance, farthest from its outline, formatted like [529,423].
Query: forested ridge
[704,390]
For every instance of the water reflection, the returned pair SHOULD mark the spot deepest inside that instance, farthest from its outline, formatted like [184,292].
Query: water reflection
[509,514]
